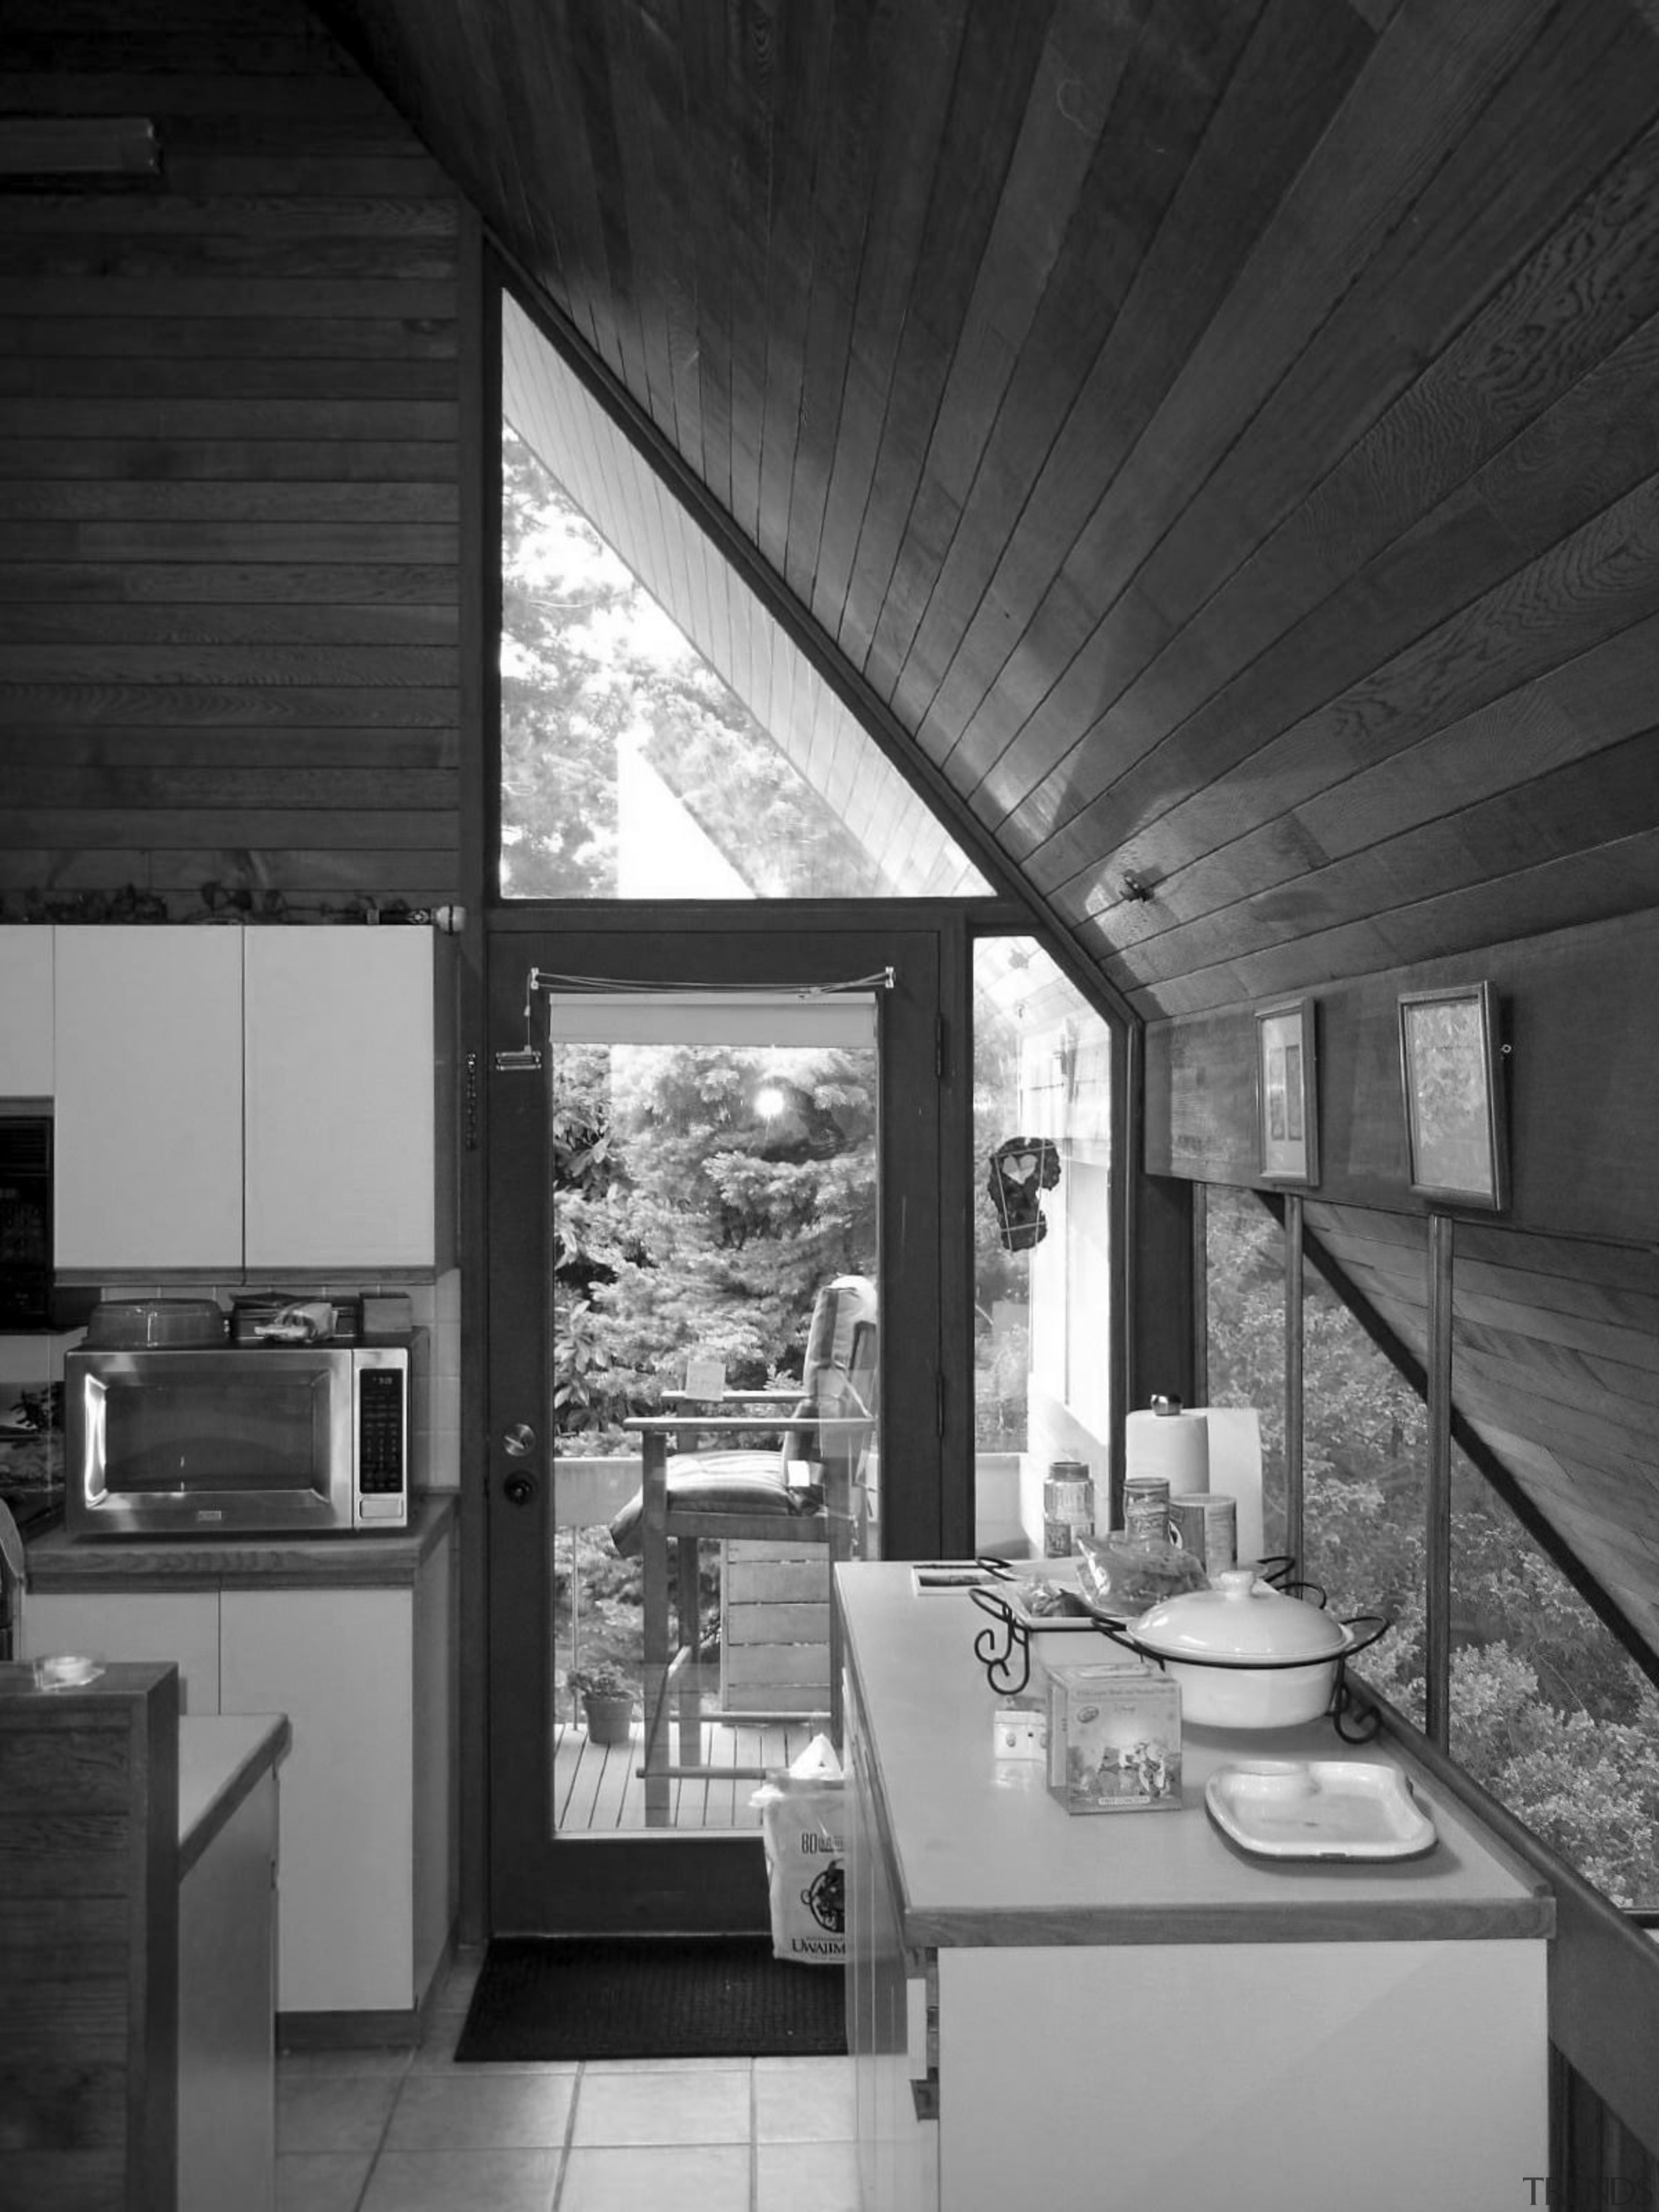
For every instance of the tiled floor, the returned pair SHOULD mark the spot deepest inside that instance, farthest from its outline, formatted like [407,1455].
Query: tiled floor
[402,2131]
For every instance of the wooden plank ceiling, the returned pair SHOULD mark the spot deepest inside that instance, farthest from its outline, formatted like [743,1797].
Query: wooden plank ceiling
[1217,434]
[1215,441]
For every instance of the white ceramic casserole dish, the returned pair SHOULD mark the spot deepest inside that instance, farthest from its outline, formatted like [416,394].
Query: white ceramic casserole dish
[1248,1655]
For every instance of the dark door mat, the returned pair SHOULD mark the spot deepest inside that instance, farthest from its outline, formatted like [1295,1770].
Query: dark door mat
[635,1997]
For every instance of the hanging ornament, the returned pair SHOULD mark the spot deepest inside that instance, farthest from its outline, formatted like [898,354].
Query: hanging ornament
[1021,1169]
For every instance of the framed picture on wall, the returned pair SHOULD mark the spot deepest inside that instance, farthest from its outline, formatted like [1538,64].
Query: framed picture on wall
[1287,1089]
[1451,1069]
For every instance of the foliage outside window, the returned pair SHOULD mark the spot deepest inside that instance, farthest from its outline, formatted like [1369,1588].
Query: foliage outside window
[1547,1711]
[630,769]
[1244,1271]
[692,1212]
[701,1194]
[628,766]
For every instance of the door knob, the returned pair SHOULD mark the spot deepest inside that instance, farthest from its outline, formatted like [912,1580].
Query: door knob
[519,1489]
[520,1440]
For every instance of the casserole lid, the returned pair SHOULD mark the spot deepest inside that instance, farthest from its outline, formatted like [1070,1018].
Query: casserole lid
[1241,1618]
[154,1324]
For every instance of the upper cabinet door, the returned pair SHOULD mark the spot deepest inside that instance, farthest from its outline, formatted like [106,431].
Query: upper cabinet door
[149,1090]
[340,1097]
[26,1019]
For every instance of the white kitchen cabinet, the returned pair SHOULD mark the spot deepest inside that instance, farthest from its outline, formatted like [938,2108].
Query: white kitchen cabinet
[148,1090]
[26,1018]
[364,1870]
[235,1103]
[340,1124]
[181,1625]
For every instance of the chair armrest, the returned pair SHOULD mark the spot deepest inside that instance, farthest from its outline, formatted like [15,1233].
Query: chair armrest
[785,1397]
[647,1424]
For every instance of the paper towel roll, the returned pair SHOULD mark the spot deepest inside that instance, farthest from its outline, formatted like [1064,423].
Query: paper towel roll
[1176,1446]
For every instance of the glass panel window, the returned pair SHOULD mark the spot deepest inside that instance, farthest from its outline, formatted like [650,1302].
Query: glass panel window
[1042,1247]
[662,735]
[716,1233]
[1244,1342]
[1364,1477]
[1548,1710]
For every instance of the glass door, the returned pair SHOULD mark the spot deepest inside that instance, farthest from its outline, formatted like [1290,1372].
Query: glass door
[691,1263]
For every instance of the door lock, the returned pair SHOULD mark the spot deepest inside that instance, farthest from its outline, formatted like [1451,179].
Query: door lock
[520,1441]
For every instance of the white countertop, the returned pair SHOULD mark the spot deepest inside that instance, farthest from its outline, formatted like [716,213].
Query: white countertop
[981,1853]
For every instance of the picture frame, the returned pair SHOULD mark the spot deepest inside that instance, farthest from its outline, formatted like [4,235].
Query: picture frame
[1451,1075]
[1288,1092]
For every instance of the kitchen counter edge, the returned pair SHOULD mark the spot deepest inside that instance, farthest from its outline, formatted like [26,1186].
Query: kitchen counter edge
[390,1561]
[223,1758]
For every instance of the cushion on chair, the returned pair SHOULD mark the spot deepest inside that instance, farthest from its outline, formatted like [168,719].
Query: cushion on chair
[718,1482]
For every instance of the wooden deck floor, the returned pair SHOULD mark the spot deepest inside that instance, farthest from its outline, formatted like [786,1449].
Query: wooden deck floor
[597,1788]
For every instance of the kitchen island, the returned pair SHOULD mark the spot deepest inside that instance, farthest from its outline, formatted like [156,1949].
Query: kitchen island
[1124,2008]
[137,1946]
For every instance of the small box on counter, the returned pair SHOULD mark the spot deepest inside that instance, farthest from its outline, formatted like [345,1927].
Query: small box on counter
[386,1313]
[1114,1738]
[1020,1729]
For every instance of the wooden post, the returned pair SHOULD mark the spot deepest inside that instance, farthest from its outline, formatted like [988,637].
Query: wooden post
[1294,1413]
[1201,1279]
[1437,1563]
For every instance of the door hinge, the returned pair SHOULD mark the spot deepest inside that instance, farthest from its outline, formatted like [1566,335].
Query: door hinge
[939,1045]
[938,1403]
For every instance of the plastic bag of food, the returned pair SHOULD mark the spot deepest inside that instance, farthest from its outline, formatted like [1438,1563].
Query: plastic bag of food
[802,1813]
[1124,1578]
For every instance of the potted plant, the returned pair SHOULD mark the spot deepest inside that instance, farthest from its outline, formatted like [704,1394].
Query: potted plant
[607,1696]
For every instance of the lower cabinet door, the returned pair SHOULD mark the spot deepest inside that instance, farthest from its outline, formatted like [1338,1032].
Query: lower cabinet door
[339,1663]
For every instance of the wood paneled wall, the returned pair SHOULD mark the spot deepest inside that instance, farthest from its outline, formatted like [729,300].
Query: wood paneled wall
[1556,1334]
[229,587]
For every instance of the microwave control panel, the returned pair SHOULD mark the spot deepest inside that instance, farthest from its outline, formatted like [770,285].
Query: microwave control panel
[381,1454]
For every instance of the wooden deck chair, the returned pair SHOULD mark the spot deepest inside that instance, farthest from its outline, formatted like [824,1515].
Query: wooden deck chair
[694,1491]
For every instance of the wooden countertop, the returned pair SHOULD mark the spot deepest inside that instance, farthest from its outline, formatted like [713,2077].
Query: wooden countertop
[980,1853]
[389,1561]
[221,1758]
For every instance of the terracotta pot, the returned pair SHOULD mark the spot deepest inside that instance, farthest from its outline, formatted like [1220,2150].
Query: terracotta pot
[610,1719]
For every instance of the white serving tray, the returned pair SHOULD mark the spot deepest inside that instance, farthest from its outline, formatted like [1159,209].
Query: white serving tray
[1318,1808]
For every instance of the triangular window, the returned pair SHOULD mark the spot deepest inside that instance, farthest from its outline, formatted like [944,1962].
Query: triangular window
[662,736]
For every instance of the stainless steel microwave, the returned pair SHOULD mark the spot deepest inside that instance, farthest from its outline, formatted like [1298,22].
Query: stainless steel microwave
[226,1441]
